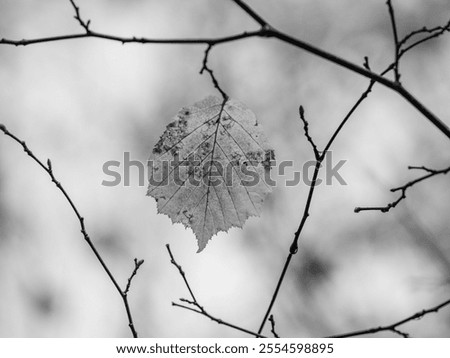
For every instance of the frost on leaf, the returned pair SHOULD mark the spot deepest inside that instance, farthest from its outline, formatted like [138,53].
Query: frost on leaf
[210,167]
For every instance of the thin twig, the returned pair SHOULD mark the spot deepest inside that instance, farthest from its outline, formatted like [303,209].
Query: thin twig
[425,30]
[251,13]
[84,24]
[301,112]
[272,326]
[196,305]
[137,40]
[433,33]
[137,264]
[49,170]
[364,72]
[180,270]
[424,168]
[396,42]
[394,326]
[403,189]
[347,117]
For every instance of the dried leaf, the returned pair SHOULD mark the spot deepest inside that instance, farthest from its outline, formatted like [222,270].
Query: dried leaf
[209,168]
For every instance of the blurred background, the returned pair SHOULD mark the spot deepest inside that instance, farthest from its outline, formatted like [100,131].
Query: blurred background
[84,102]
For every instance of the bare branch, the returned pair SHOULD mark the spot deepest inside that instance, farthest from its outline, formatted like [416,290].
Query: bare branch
[394,326]
[84,24]
[251,13]
[396,42]
[137,264]
[195,305]
[403,189]
[265,31]
[49,170]
[294,245]
[396,87]
[139,40]
[349,113]
[180,270]
[432,34]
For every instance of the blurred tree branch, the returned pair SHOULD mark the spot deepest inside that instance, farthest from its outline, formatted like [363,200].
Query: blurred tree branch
[49,170]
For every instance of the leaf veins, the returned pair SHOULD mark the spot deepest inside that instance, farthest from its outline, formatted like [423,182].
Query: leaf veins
[209,168]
